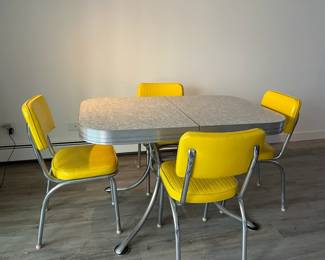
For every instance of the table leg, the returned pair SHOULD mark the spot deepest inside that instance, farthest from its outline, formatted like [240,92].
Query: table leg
[122,248]
[141,179]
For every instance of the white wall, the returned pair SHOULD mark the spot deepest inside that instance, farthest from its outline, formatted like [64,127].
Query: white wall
[70,50]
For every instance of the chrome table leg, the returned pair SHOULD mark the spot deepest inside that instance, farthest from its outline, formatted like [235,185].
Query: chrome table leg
[140,180]
[122,248]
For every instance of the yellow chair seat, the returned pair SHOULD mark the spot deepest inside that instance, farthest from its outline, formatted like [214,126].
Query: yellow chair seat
[200,190]
[85,161]
[267,152]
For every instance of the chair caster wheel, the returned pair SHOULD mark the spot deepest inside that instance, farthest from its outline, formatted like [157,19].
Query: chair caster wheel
[38,247]
[159,226]
[204,219]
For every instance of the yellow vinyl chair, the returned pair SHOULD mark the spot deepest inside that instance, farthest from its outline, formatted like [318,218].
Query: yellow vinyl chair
[290,108]
[205,171]
[71,165]
[158,89]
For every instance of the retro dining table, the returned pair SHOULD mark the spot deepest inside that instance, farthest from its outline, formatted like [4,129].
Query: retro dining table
[150,120]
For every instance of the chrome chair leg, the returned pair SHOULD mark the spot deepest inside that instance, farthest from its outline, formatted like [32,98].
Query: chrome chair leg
[176,226]
[148,185]
[116,206]
[223,204]
[205,212]
[112,196]
[42,216]
[250,224]
[258,173]
[48,187]
[244,229]
[161,205]
[283,190]
[283,182]
[283,185]
[139,156]
[149,164]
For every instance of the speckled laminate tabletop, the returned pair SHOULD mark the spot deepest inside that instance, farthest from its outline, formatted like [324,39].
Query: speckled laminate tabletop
[228,113]
[128,120]
[119,120]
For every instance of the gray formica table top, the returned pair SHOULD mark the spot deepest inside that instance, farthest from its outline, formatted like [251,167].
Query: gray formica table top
[224,113]
[127,120]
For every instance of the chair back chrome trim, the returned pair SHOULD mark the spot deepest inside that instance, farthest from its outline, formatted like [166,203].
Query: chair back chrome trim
[286,141]
[40,159]
[250,172]
[188,174]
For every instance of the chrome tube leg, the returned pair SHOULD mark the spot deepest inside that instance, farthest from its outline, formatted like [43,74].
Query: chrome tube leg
[283,182]
[42,216]
[139,156]
[161,205]
[149,163]
[112,195]
[283,190]
[122,247]
[41,224]
[148,185]
[223,204]
[283,185]
[250,224]
[244,229]
[177,230]
[116,206]
[141,179]
[205,212]
[258,183]
[48,187]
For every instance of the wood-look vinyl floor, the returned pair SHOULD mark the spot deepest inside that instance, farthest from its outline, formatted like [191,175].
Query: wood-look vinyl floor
[80,223]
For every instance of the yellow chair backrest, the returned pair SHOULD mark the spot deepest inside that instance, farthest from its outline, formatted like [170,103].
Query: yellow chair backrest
[39,120]
[218,154]
[160,89]
[284,104]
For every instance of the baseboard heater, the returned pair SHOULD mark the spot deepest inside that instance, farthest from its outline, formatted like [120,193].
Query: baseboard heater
[24,146]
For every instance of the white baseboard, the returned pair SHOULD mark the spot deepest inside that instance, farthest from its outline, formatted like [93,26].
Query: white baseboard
[27,153]
[299,136]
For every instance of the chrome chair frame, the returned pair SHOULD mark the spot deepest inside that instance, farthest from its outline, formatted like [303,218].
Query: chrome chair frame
[240,199]
[61,183]
[274,161]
